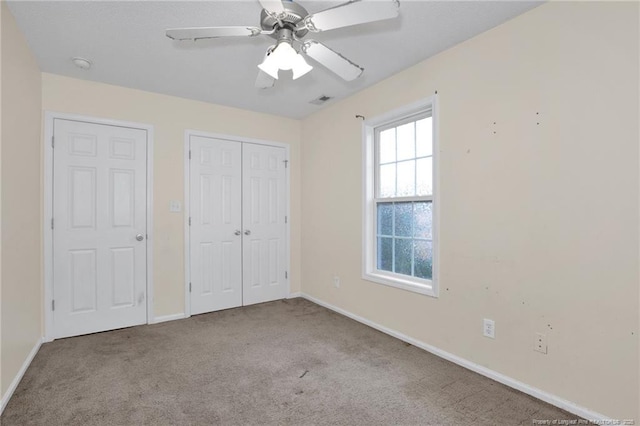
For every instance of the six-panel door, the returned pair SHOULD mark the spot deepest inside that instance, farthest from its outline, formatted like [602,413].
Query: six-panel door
[99,235]
[263,217]
[238,224]
[216,224]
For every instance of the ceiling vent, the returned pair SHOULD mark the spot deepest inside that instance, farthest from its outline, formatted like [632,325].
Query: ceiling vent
[320,100]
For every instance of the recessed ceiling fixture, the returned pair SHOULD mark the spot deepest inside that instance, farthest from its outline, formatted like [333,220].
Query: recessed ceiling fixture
[81,63]
[289,23]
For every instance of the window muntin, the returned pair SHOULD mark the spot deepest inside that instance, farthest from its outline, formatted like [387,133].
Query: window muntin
[404,159]
[402,218]
[404,238]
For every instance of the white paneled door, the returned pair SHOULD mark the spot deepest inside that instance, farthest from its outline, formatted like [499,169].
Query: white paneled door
[237,236]
[216,224]
[263,217]
[99,227]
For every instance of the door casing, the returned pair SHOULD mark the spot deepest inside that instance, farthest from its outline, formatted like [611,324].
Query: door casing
[49,117]
[187,199]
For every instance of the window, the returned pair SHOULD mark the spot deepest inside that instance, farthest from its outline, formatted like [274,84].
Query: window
[400,227]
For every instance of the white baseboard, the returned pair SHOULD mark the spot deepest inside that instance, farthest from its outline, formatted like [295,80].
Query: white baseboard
[294,295]
[165,318]
[16,380]
[494,375]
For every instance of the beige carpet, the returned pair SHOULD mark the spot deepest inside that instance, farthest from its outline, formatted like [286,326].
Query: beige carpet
[286,362]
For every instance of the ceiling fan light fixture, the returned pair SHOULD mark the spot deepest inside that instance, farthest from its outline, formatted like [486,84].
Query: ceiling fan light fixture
[285,57]
[301,67]
[270,67]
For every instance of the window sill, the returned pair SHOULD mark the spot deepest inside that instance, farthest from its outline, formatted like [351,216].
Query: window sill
[428,288]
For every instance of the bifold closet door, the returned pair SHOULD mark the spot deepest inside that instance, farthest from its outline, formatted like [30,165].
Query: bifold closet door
[237,235]
[216,224]
[264,222]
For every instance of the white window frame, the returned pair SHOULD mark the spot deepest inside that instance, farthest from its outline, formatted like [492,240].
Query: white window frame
[369,246]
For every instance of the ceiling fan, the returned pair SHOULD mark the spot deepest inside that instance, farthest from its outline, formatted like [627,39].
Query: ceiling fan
[288,22]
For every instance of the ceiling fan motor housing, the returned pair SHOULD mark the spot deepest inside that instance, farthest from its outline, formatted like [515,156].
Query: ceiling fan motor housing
[292,15]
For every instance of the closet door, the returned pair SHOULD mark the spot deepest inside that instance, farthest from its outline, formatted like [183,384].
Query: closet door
[216,224]
[264,223]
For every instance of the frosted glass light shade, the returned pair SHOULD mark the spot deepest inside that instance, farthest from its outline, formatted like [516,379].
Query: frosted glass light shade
[270,66]
[301,67]
[284,57]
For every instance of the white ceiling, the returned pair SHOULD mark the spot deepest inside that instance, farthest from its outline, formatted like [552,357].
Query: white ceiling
[125,40]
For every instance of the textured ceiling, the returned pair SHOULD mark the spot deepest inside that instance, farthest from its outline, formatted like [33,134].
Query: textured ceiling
[127,45]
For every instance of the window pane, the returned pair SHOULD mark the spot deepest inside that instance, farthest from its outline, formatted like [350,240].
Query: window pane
[387,180]
[385,219]
[423,259]
[387,146]
[385,254]
[422,220]
[403,256]
[406,140]
[403,219]
[424,137]
[405,168]
[406,179]
[424,176]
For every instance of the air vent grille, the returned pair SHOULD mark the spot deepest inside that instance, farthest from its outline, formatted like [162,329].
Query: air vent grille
[320,100]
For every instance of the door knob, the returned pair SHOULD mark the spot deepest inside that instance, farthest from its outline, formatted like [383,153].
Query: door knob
[238,232]
[139,237]
[247,232]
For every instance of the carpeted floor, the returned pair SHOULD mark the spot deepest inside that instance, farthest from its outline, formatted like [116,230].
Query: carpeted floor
[286,362]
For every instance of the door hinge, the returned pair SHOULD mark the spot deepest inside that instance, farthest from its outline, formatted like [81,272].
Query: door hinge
[286,163]
[53,305]
[286,274]
[53,141]
[286,218]
[189,287]
[189,220]
[51,223]
[189,154]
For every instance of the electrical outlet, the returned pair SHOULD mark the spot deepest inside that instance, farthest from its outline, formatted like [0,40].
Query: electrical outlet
[336,281]
[540,344]
[175,206]
[489,328]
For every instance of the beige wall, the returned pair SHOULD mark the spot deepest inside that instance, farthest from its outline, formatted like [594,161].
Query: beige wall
[539,223]
[21,206]
[170,117]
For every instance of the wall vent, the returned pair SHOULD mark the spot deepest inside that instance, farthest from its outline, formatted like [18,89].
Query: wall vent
[320,100]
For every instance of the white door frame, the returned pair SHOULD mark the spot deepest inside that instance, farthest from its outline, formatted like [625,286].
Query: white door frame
[49,117]
[187,206]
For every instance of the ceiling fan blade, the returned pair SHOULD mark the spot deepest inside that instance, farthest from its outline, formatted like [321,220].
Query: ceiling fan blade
[332,60]
[273,6]
[352,13]
[212,32]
